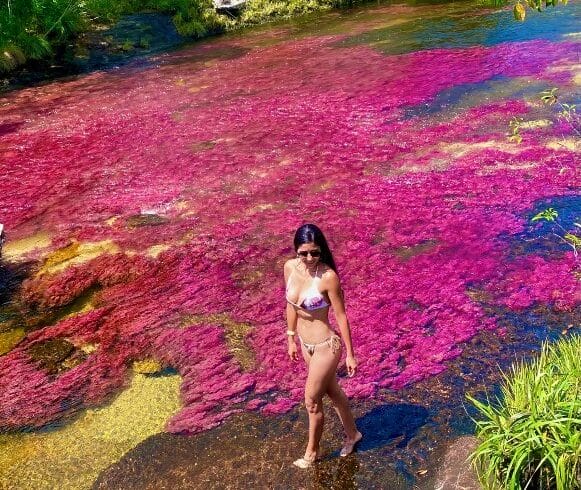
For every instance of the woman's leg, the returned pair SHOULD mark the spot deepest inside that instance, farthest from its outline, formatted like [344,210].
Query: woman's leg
[341,404]
[322,365]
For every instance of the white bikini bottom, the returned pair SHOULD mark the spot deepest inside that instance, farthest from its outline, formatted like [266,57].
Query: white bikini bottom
[333,342]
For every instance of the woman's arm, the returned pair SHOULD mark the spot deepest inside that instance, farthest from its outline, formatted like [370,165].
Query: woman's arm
[336,296]
[291,319]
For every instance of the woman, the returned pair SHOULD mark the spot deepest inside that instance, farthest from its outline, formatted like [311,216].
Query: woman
[312,286]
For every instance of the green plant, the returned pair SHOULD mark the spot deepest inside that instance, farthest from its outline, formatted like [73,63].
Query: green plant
[30,29]
[531,438]
[514,130]
[550,215]
[567,112]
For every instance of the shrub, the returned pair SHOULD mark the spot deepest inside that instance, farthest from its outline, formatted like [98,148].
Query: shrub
[532,437]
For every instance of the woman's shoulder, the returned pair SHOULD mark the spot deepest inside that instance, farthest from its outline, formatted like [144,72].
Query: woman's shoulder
[290,264]
[329,274]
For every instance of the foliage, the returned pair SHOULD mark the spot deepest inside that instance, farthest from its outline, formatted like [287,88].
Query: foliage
[514,128]
[259,11]
[567,112]
[550,215]
[32,28]
[35,29]
[532,438]
[549,96]
[195,18]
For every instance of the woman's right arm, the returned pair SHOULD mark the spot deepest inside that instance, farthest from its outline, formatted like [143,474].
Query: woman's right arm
[291,322]
[291,319]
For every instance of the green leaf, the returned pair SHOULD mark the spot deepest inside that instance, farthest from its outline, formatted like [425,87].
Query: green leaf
[573,239]
[548,214]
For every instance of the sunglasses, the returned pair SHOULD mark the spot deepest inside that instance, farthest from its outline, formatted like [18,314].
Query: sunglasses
[312,253]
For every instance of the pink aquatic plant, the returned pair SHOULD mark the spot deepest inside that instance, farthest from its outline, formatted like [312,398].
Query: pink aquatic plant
[231,157]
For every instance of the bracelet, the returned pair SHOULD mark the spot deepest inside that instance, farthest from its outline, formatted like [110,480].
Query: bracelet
[290,332]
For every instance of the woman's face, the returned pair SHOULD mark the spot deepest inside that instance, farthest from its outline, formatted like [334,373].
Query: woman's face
[309,253]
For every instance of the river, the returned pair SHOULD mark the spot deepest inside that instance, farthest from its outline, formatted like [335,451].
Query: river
[149,209]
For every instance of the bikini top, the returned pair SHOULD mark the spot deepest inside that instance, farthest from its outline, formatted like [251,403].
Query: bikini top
[313,299]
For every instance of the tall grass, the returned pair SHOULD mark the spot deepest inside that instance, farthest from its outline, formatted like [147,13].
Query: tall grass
[31,28]
[531,438]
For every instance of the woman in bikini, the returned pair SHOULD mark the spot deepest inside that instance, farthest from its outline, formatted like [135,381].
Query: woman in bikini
[312,286]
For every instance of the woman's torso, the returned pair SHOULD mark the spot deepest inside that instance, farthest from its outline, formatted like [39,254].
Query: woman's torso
[311,304]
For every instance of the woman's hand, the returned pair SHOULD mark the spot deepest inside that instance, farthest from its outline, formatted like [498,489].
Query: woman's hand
[351,363]
[292,350]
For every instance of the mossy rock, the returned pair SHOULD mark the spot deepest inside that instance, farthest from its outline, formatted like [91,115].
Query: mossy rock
[145,219]
[50,354]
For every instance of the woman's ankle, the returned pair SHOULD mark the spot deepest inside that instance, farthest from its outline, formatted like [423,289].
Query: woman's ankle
[355,435]
[311,455]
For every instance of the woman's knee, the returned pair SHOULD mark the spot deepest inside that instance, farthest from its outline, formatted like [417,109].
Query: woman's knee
[313,404]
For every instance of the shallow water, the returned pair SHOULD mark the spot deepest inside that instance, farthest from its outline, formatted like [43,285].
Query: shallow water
[149,210]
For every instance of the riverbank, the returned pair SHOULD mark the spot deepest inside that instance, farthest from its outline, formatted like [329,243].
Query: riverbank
[99,36]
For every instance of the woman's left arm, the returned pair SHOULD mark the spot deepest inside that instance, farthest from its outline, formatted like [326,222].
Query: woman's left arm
[336,297]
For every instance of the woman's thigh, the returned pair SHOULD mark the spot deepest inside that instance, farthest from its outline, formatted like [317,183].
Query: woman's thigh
[322,368]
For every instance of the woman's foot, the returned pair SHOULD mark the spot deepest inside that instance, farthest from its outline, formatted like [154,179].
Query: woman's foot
[349,445]
[306,461]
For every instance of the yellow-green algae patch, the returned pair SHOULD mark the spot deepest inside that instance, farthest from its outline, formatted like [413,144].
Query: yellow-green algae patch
[155,250]
[72,456]
[76,253]
[234,332]
[147,366]
[11,338]
[14,250]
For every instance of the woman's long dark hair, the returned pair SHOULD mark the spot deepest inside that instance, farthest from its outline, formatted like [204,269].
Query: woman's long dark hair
[312,234]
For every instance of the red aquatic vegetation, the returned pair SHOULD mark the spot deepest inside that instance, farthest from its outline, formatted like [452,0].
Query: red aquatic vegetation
[230,158]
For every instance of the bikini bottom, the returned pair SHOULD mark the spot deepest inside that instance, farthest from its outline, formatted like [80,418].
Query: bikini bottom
[333,342]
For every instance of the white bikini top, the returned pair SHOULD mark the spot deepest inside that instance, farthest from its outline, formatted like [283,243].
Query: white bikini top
[313,298]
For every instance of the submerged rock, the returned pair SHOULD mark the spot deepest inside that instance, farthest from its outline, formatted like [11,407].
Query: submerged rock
[72,455]
[50,354]
[145,219]
[456,473]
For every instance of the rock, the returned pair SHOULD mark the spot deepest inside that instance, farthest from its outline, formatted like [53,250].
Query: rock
[50,354]
[145,219]
[456,473]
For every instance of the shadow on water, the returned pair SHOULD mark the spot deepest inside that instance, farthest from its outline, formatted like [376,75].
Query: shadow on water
[386,423]
[11,277]
[11,330]
[8,128]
